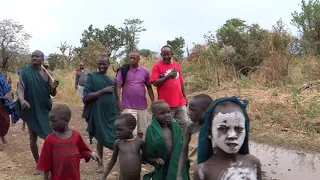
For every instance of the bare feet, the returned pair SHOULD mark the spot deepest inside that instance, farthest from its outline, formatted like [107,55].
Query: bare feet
[100,168]
[37,172]
[1,143]
[4,140]
[23,126]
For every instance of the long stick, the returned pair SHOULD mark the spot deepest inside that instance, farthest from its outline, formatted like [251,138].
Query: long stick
[47,73]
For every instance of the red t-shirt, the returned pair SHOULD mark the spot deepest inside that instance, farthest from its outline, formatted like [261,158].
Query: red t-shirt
[170,91]
[62,157]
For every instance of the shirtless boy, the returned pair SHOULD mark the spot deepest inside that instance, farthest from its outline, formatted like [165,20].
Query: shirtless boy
[128,148]
[229,128]
[197,106]
[62,149]
[164,139]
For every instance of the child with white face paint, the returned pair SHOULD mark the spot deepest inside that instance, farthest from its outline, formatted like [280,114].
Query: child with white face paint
[229,131]
[227,122]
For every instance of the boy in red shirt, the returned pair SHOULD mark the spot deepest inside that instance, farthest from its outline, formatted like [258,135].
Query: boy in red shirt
[63,149]
[167,77]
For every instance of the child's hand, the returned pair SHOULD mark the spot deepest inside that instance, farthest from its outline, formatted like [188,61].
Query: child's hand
[160,161]
[95,157]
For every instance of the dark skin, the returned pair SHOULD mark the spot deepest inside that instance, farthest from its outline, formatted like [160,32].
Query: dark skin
[166,54]
[214,166]
[81,66]
[37,58]
[61,128]
[163,115]
[103,65]
[196,110]
[134,63]
[128,149]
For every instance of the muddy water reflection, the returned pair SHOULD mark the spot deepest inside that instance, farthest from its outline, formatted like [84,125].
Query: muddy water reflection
[283,164]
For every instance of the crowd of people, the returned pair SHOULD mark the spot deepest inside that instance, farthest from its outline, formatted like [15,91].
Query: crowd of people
[207,141]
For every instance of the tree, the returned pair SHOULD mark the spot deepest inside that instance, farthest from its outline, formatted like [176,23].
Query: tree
[132,29]
[13,42]
[54,60]
[308,23]
[89,54]
[241,45]
[68,54]
[177,46]
[110,37]
[233,33]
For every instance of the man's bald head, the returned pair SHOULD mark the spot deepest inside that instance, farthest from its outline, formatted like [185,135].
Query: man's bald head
[81,65]
[37,57]
[39,53]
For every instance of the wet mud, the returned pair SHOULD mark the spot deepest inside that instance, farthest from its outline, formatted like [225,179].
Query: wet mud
[282,164]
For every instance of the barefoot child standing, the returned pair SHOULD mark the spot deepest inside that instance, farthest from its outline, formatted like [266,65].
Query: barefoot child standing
[63,149]
[127,147]
[164,139]
[197,106]
[230,130]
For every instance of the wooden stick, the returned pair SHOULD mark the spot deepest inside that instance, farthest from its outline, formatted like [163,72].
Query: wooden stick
[47,73]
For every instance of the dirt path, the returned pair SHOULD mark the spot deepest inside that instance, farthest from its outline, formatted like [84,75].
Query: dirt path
[17,162]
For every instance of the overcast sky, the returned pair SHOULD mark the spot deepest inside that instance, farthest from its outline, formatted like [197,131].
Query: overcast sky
[53,21]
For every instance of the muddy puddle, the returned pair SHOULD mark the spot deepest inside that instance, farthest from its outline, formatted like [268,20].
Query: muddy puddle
[282,164]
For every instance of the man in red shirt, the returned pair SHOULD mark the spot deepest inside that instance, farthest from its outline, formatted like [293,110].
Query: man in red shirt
[167,77]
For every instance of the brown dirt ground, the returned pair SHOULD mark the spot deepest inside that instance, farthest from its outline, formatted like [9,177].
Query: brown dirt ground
[17,162]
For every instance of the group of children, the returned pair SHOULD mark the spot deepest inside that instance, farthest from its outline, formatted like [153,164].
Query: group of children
[213,146]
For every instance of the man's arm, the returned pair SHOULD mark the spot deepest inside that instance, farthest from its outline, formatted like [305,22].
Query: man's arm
[150,92]
[94,95]
[184,152]
[182,83]
[53,86]
[77,80]
[155,76]
[20,91]
[183,91]
[117,96]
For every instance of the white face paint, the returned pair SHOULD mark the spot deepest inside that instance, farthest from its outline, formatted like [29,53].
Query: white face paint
[229,131]
[236,172]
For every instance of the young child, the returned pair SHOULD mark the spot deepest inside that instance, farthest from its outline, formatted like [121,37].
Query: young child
[128,149]
[229,129]
[164,139]
[63,149]
[197,106]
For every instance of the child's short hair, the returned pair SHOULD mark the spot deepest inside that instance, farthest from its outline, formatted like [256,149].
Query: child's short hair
[205,99]
[129,119]
[156,104]
[62,111]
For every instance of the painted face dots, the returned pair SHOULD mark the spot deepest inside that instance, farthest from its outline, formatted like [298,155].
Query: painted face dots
[228,131]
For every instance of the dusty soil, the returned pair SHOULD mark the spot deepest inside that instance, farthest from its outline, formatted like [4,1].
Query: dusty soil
[17,162]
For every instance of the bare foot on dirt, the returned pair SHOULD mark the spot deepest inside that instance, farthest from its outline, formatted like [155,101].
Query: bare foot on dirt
[23,127]
[4,140]
[37,172]
[100,168]
[1,143]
